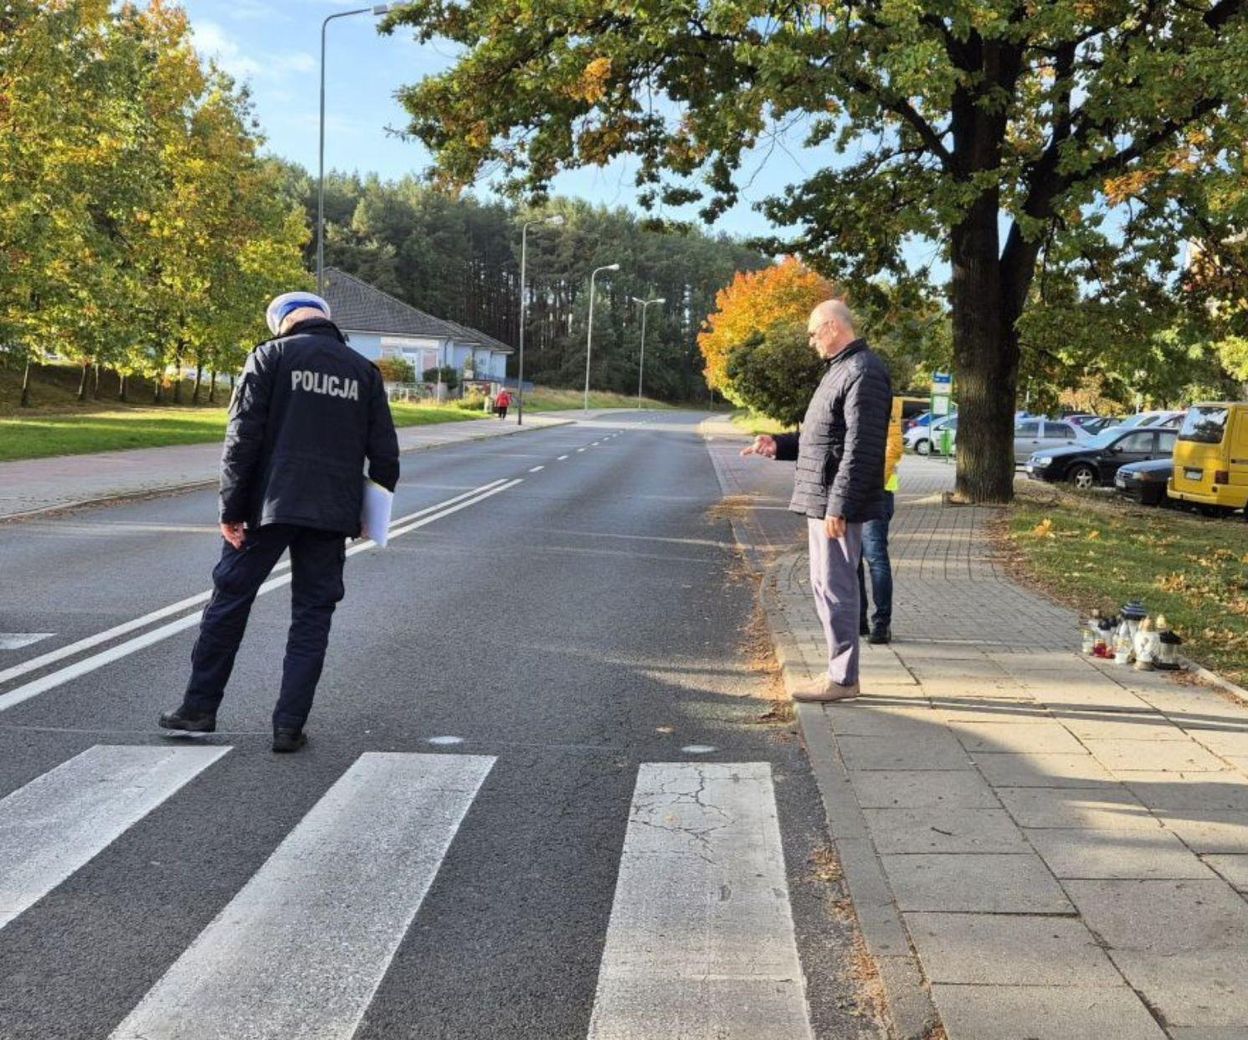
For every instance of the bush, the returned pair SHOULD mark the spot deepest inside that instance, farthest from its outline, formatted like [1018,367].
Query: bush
[472,402]
[396,370]
[776,373]
[450,377]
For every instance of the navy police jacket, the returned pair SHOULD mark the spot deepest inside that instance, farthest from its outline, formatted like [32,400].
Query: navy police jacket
[305,415]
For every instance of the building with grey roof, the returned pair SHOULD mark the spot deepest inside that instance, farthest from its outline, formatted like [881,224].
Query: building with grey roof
[379,325]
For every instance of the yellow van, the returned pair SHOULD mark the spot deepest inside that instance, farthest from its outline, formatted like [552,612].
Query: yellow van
[1211,456]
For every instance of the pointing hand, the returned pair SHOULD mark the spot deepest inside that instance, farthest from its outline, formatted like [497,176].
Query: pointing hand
[764,445]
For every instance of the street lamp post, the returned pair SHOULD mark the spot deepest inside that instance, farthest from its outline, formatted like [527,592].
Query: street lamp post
[554,220]
[320,180]
[589,336]
[641,369]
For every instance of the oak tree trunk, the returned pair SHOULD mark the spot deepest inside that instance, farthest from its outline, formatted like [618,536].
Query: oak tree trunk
[986,356]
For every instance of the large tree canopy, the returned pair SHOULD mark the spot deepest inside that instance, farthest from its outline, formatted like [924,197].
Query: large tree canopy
[139,227]
[1068,136]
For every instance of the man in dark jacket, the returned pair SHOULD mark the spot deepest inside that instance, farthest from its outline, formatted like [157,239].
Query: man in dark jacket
[837,486]
[306,413]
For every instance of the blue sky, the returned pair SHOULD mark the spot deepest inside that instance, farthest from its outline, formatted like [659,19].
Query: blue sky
[274,45]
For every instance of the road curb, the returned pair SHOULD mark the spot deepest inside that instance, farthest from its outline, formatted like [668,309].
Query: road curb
[907,999]
[173,489]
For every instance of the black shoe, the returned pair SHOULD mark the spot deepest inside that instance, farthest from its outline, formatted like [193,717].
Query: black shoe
[863,628]
[189,721]
[879,635]
[285,740]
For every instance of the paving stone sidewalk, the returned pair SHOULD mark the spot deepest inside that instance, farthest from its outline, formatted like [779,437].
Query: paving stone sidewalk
[31,486]
[1062,843]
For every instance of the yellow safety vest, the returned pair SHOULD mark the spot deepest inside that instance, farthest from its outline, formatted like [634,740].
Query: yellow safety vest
[894,450]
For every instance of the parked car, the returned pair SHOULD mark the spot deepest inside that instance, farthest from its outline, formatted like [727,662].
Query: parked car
[1098,424]
[1095,462]
[922,419]
[1211,457]
[1036,434]
[1170,420]
[1145,482]
[920,438]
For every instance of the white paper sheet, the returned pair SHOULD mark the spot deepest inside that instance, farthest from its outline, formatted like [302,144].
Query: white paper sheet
[375,517]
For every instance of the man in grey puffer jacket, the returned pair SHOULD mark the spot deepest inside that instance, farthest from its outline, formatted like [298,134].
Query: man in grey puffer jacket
[837,485]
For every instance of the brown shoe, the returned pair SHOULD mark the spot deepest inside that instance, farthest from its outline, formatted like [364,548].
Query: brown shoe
[823,688]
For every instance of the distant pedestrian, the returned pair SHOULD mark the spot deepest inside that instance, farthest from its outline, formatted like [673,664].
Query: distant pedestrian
[501,403]
[840,456]
[878,628]
[305,415]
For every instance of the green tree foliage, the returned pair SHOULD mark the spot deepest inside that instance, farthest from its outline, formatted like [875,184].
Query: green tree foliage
[448,376]
[459,258]
[139,227]
[1021,136]
[775,372]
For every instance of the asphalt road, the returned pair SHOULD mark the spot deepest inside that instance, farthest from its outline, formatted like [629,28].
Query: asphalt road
[567,632]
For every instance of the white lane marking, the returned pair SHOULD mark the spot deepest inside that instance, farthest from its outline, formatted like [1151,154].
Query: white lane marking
[700,941]
[60,653]
[53,825]
[699,749]
[114,653]
[561,458]
[537,469]
[445,740]
[17,640]
[301,950]
[396,533]
[580,449]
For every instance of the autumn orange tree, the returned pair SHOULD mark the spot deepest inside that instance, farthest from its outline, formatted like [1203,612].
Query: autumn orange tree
[754,304]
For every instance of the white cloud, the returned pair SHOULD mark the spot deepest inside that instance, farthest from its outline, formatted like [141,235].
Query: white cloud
[214,42]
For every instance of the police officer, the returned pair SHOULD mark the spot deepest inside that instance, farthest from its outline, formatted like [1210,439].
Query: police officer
[306,414]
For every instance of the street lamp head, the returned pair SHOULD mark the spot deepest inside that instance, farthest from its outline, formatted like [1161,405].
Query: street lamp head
[384,8]
[611,267]
[659,299]
[556,220]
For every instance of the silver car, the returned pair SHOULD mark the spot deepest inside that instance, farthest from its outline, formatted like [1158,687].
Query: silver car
[1033,434]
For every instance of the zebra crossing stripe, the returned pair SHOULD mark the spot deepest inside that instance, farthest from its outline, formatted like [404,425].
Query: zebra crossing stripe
[300,951]
[59,821]
[700,942]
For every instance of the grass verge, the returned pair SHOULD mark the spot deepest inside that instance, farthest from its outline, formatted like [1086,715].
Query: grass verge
[754,424]
[66,433]
[548,399]
[1090,551]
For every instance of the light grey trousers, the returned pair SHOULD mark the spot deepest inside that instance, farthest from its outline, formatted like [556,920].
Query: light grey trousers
[834,582]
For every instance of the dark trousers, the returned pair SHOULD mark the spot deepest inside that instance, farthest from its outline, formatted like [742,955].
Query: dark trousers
[875,559]
[316,560]
[501,411]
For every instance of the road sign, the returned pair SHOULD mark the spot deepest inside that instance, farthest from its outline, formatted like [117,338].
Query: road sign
[942,393]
